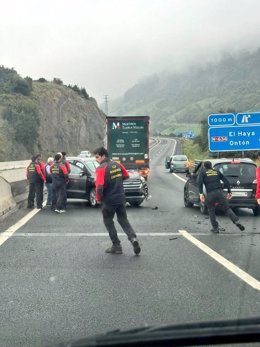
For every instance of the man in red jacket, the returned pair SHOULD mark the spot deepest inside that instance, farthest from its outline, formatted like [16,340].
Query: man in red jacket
[110,191]
[36,179]
[258,181]
[42,166]
[59,175]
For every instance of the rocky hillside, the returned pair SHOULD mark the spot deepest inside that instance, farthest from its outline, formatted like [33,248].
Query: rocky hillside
[67,121]
[51,118]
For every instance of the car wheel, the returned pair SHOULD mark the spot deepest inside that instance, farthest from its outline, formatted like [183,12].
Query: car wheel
[256,211]
[187,203]
[92,198]
[203,208]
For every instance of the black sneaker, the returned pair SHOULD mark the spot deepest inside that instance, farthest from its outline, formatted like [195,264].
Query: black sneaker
[240,226]
[115,249]
[136,246]
[215,230]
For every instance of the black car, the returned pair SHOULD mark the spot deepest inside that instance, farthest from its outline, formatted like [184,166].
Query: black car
[241,174]
[82,179]
[82,182]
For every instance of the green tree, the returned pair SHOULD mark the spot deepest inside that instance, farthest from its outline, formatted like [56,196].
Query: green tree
[22,87]
[25,120]
[57,81]
[76,88]
[29,81]
[202,139]
[84,93]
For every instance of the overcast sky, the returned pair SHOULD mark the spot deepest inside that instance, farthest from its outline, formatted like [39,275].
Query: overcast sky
[106,46]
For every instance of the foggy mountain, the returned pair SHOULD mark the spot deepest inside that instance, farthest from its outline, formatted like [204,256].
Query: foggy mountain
[170,99]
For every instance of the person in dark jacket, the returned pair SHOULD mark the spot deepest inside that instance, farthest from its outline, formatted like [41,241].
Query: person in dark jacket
[211,179]
[49,180]
[64,160]
[110,192]
[59,174]
[36,180]
[42,166]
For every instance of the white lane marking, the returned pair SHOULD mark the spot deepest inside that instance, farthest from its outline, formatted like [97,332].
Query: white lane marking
[44,234]
[88,234]
[244,276]
[4,236]
[180,178]
[174,146]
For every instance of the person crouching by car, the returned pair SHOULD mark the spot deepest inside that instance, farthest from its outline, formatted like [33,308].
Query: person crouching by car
[59,174]
[212,178]
[258,181]
[49,180]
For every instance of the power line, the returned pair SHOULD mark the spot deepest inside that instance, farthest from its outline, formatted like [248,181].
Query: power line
[106,104]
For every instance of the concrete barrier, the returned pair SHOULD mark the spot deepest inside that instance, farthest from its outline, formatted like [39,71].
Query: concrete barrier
[13,185]
[7,201]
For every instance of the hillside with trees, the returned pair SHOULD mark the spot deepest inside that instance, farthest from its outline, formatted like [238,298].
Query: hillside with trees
[42,116]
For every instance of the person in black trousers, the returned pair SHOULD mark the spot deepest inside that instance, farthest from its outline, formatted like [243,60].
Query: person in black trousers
[36,180]
[215,197]
[59,175]
[110,192]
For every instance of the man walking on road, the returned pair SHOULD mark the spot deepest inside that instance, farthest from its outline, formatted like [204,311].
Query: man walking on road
[211,179]
[110,191]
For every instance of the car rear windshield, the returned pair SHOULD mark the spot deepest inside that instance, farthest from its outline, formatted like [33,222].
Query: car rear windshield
[245,170]
[179,158]
[92,165]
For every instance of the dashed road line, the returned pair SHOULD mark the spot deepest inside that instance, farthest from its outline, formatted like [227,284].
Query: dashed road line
[12,233]
[244,276]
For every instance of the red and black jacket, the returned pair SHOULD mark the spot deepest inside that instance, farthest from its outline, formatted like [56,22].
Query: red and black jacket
[59,173]
[34,172]
[109,182]
[67,164]
[258,183]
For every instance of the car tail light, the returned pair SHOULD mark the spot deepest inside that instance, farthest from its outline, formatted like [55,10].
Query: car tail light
[235,161]
[144,172]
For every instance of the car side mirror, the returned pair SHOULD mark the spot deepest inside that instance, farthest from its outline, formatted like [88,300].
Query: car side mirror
[81,174]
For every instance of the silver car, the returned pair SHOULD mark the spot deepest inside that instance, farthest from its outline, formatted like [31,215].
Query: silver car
[179,163]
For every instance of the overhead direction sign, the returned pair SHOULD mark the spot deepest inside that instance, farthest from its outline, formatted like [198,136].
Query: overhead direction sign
[234,138]
[248,118]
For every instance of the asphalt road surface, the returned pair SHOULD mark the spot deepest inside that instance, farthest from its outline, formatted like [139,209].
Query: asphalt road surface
[57,284]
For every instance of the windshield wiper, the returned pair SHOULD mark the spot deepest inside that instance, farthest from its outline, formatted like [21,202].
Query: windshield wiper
[191,334]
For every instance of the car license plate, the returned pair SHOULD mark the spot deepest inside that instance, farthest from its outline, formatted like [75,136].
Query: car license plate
[239,193]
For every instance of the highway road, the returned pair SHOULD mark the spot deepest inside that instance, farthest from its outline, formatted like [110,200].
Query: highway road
[57,284]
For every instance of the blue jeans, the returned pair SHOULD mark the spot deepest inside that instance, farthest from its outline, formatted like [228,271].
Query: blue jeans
[49,193]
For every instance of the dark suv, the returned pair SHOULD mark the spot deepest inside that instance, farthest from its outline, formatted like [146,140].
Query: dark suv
[241,174]
[82,182]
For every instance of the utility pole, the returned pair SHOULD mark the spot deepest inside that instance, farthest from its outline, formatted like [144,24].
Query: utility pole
[106,104]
